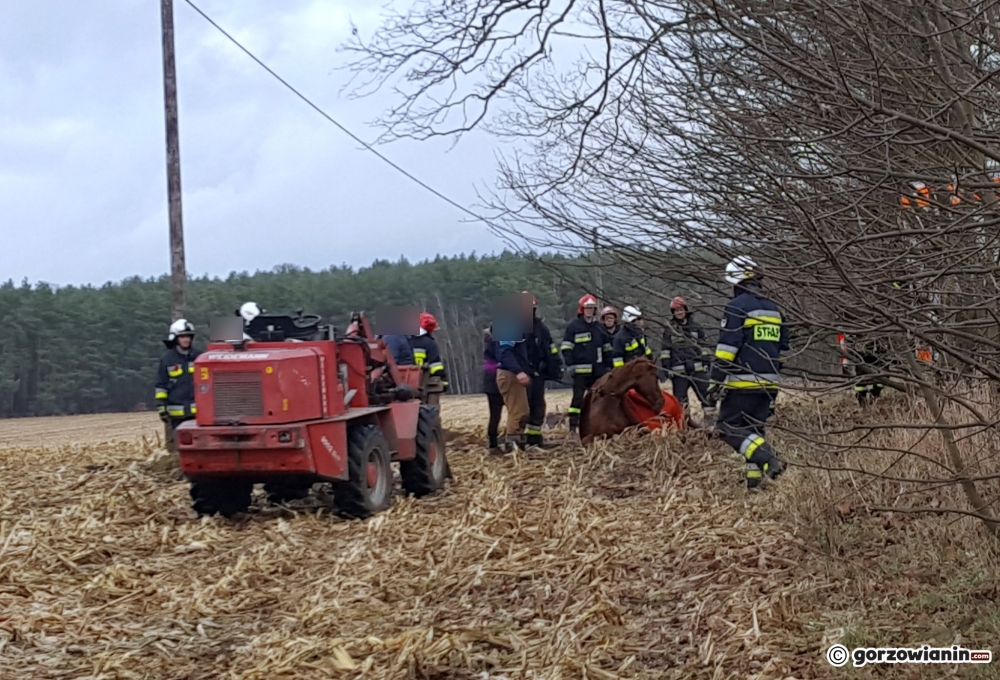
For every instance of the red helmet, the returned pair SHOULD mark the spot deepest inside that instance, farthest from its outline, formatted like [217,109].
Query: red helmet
[428,322]
[585,301]
[677,303]
[609,310]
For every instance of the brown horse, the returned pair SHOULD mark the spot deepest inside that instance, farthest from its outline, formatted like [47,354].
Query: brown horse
[605,412]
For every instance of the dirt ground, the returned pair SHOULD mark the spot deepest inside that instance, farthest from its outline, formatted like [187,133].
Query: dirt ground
[641,558]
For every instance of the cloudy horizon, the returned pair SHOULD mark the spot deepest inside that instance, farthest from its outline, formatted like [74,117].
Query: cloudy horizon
[266,180]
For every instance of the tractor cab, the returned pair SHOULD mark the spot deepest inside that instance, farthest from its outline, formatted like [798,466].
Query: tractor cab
[277,328]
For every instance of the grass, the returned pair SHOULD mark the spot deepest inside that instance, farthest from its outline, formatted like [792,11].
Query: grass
[639,558]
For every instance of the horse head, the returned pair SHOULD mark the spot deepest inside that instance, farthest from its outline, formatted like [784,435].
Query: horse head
[640,375]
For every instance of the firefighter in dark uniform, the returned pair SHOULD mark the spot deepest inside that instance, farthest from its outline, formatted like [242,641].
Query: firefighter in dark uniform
[175,379]
[684,357]
[873,354]
[425,348]
[746,369]
[609,317]
[630,341]
[585,348]
[545,364]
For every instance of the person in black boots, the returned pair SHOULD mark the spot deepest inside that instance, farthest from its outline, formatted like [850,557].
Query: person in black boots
[684,358]
[493,396]
[583,349]
[175,380]
[546,364]
[747,367]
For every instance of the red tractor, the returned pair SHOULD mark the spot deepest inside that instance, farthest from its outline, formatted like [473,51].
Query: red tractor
[296,406]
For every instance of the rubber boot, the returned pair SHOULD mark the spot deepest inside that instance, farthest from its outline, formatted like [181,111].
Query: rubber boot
[773,469]
[754,476]
[512,443]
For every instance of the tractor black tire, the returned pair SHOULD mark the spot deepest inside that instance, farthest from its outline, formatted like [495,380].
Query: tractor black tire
[284,491]
[368,490]
[429,470]
[225,497]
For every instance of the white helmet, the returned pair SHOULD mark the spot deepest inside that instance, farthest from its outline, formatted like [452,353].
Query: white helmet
[740,269]
[631,313]
[249,311]
[180,327]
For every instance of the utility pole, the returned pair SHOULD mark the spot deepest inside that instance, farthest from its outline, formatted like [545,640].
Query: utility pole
[178,271]
[597,257]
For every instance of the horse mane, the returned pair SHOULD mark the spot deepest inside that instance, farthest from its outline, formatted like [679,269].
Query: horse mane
[614,382]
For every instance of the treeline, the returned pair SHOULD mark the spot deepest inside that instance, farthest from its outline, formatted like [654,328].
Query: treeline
[95,349]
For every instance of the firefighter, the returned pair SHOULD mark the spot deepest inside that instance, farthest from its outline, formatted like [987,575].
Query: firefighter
[248,311]
[746,368]
[873,354]
[545,364]
[585,346]
[684,357]
[630,341]
[513,380]
[175,379]
[425,348]
[609,317]
[493,396]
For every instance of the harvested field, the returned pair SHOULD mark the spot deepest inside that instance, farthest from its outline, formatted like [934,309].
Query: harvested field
[638,559]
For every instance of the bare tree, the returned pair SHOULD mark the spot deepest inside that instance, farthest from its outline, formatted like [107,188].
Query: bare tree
[847,145]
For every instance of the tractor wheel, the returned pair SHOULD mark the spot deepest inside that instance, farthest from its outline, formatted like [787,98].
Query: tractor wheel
[226,498]
[427,472]
[369,487]
[284,491]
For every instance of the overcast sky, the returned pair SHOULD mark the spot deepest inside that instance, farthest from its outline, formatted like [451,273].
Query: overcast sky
[266,180]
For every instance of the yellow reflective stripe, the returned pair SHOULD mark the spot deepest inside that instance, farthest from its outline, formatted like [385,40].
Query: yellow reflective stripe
[754,445]
[175,410]
[191,368]
[725,355]
[649,352]
[194,409]
[583,368]
[553,348]
[161,394]
[436,367]
[754,474]
[582,337]
[749,384]
[632,345]
[420,356]
[762,320]
[531,429]
[567,345]
[618,362]
[175,372]
[574,410]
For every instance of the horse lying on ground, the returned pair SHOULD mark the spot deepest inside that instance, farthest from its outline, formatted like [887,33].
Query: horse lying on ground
[627,396]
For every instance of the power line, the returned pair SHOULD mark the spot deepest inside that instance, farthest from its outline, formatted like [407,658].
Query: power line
[343,129]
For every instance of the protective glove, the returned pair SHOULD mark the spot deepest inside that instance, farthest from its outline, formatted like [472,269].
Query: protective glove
[162,411]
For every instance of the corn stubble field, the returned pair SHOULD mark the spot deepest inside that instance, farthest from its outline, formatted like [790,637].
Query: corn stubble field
[638,559]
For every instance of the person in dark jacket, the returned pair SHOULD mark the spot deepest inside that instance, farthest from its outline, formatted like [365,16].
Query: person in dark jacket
[174,388]
[609,317]
[747,367]
[493,396]
[585,348]
[513,380]
[630,341]
[399,345]
[425,348]
[545,364]
[684,357]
